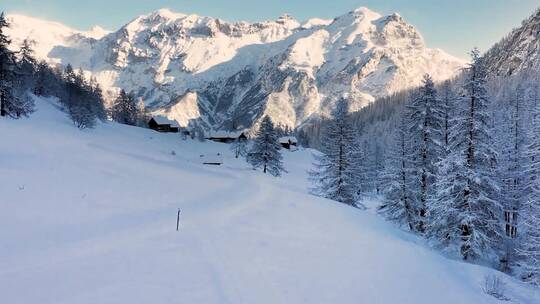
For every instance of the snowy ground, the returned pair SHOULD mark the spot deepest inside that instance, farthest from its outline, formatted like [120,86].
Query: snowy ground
[89,217]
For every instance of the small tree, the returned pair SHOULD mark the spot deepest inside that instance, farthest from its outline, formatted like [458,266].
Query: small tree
[198,132]
[265,152]
[21,105]
[334,175]
[82,116]
[239,147]
[124,109]
[142,114]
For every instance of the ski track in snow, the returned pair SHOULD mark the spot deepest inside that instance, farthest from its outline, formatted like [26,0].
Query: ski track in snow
[95,223]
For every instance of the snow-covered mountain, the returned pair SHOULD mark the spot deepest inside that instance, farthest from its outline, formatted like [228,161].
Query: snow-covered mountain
[518,51]
[229,74]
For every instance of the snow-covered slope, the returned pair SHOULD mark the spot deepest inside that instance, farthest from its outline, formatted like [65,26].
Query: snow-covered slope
[89,217]
[240,71]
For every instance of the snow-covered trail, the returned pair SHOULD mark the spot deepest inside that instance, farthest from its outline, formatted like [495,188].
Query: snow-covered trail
[90,217]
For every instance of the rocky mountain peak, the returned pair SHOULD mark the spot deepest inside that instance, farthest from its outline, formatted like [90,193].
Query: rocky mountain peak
[203,70]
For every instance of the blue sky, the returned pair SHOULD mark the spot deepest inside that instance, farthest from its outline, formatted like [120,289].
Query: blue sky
[453,25]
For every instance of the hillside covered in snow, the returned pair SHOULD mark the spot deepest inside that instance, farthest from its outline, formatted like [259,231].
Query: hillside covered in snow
[89,217]
[226,75]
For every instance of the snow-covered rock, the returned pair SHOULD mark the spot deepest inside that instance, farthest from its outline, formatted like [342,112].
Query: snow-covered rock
[241,71]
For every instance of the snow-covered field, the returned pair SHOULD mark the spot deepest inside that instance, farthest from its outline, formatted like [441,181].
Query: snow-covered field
[90,217]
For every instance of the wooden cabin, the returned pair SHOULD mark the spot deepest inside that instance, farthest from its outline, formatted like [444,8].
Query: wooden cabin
[163,124]
[225,136]
[289,143]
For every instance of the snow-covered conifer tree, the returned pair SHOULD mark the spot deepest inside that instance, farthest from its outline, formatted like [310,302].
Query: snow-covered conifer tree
[529,225]
[448,98]
[47,82]
[239,147]
[512,173]
[425,124]
[27,65]
[124,109]
[96,99]
[82,116]
[333,176]
[265,152]
[465,215]
[7,70]
[22,103]
[357,169]
[82,105]
[397,205]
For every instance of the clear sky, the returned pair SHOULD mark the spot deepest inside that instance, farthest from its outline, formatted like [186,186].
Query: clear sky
[453,25]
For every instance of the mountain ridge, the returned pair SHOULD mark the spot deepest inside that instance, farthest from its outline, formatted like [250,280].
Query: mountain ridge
[207,71]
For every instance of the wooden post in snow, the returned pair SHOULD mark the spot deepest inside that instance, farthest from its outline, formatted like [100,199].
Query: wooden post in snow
[178,219]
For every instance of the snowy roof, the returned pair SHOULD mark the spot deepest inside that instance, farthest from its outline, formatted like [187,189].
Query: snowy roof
[224,134]
[287,139]
[162,120]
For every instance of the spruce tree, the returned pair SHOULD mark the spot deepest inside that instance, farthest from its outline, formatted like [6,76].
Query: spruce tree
[27,65]
[48,82]
[447,106]
[239,147]
[512,173]
[24,82]
[465,215]
[369,166]
[82,116]
[333,176]
[397,205]
[82,105]
[372,166]
[97,100]
[358,168]
[124,109]
[529,211]
[7,70]
[425,123]
[265,152]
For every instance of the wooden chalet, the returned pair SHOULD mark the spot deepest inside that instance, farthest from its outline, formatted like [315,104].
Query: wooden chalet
[225,136]
[289,142]
[163,124]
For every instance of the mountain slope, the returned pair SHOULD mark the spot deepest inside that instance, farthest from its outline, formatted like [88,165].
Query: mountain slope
[89,217]
[518,51]
[230,74]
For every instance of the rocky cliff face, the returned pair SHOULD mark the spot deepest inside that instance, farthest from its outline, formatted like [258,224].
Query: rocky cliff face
[227,75]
